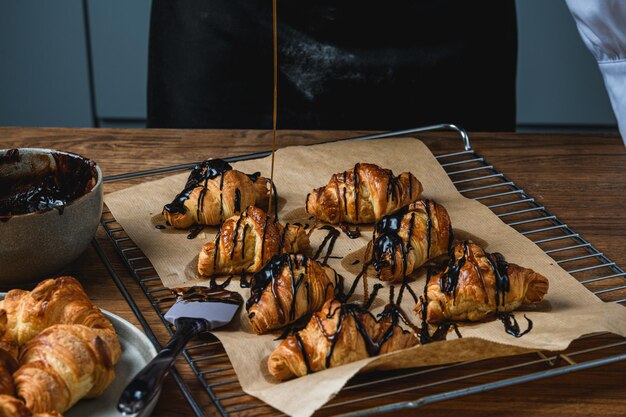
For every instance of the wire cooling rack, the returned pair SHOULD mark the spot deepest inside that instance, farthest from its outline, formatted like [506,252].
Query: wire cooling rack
[396,390]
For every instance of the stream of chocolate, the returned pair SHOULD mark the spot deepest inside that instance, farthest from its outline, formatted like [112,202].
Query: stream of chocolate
[275,102]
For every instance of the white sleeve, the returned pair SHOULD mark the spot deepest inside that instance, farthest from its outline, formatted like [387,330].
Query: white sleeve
[602,26]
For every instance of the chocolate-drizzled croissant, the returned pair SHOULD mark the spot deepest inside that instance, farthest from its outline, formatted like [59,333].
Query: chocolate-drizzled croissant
[336,335]
[476,284]
[405,240]
[363,194]
[214,192]
[53,301]
[244,243]
[65,363]
[287,288]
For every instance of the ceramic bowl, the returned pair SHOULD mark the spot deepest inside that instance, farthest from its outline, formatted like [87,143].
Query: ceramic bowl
[42,231]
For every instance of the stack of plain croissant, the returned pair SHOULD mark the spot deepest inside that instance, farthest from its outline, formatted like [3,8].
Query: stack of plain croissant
[56,347]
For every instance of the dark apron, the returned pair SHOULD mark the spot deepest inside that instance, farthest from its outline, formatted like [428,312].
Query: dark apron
[342,64]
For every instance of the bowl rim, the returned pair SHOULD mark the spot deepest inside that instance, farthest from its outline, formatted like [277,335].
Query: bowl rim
[97,185]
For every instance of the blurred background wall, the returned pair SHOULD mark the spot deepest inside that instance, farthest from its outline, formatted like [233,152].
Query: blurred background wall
[81,63]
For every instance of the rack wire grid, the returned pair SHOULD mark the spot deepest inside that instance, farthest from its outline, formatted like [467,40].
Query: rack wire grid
[381,392]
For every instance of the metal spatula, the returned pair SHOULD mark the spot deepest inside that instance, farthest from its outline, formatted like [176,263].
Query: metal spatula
[197,310]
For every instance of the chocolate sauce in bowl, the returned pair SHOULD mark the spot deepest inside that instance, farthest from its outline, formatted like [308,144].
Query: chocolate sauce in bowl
[51,186]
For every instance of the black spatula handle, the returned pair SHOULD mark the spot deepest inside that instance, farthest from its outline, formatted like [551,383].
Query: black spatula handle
[145,385]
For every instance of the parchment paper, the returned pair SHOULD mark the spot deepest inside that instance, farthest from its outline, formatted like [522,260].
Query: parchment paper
[568,312]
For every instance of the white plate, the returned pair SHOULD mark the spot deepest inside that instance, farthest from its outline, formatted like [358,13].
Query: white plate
[137,351]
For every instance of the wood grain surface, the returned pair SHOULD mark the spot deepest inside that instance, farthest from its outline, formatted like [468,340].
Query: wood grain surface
[580,178]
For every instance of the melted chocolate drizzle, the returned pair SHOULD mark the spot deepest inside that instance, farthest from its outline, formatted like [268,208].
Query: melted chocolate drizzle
[215,293]
[387,240]
[329,240]
[355,283]
[243,281]
[344,191]
[511,326]
[442,329]
[500,268]
[356,191]
[372,296]
[450,278]
[352,234]
[237,200]
[292,328]
[194,231]
[305,356]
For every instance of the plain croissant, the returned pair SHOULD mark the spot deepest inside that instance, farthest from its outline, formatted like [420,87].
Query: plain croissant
[477,284]
[336,335]
[287,288]
[363,194]
[246,242]
[405,240]
[14,407]
[8,357]
[53,301]
[65,363]
[214,192]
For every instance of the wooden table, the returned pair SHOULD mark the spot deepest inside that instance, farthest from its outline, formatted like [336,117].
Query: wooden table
[580,178]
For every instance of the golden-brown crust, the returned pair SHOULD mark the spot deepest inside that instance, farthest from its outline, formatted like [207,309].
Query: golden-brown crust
[65,363]
[474,295]
[377,193]
[216,199]
[8,357]
[334,331]
[13,407]
[53,301]
[289,287]
[7,386]
[394,254]
[244,243]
